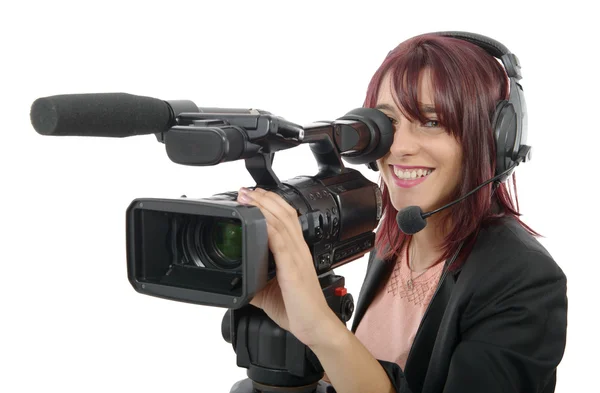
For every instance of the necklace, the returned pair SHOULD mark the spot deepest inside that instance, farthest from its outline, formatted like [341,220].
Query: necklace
[410,283]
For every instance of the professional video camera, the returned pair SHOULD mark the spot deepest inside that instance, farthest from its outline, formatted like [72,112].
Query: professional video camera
[213,251]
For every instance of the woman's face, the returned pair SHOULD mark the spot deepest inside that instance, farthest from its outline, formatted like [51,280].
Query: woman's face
[423,166]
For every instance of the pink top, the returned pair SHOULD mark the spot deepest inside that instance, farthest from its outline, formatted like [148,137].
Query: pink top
[390,323]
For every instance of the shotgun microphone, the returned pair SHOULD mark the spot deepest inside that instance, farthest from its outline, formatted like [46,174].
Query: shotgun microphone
[114,115]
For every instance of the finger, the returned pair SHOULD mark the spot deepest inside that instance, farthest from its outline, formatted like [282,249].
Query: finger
[280,208]
[288,215]
[270,299]
[281,244]
[284,239]
[266,202]
[274,224]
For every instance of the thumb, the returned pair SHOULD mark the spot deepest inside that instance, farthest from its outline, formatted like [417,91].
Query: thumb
[257,300]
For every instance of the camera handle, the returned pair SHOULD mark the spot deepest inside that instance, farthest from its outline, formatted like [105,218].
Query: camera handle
[278,362]
[261,170]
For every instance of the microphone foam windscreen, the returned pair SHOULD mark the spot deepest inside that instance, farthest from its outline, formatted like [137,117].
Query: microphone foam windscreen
[410,220]
[102,114]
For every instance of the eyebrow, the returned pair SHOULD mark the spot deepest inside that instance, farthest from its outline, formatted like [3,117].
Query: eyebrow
[385,107]
[424,108]
[427,108]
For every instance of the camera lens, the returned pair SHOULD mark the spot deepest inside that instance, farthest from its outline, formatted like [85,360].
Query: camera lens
[211,243]
[226,237]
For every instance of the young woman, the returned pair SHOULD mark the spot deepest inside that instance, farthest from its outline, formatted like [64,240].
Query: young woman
[472,302]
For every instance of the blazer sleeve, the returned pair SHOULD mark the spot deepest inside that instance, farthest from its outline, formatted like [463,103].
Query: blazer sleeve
[394,372]
[396,376]
[513,330]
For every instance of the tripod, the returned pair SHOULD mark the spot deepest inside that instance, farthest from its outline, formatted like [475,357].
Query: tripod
[278,362]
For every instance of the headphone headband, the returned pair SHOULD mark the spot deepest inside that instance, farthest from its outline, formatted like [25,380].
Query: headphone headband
[510,120]
[509,60]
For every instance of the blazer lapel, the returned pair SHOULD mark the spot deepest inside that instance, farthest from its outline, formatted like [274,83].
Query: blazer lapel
[419,356]
[377,272]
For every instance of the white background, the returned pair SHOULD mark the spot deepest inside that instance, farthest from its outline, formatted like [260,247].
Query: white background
[71,322]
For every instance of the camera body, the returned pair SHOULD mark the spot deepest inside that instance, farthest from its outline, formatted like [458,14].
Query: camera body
[175,248]
[214,251]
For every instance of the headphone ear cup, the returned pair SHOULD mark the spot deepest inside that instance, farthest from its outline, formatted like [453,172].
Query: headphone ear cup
[505,126]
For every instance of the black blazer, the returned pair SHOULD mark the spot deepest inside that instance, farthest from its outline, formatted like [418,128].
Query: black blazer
[498,324]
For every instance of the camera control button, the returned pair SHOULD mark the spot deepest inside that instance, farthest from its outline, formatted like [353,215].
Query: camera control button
[340,291]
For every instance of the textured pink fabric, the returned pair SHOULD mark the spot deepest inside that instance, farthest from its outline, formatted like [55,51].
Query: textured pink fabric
[390,323]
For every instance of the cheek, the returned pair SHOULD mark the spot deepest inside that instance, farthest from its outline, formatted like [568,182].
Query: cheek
[454,169]
[453,156]
[454,165]
[383,168]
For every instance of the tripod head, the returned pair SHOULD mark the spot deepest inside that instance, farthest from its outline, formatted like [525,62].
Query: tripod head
[278,362]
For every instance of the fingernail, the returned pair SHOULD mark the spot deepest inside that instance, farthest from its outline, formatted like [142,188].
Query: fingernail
[243,196]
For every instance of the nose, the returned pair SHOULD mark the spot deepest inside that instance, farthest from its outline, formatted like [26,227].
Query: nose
[405,141]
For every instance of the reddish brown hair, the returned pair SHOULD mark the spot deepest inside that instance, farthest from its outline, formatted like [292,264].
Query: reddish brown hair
[467,84]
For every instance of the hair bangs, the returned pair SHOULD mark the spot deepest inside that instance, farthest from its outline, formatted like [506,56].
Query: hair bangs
[406,67]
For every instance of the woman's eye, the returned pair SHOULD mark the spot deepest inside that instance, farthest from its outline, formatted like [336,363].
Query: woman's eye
[392,120]
[431,124]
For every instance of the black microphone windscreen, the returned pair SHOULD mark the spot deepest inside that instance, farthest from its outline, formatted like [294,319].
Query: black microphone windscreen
[410,220]
[102,114]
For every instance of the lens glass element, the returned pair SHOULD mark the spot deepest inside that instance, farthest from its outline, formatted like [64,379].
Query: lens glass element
[227,238]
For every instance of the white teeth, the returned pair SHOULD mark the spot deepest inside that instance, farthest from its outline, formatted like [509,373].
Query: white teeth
[411,174]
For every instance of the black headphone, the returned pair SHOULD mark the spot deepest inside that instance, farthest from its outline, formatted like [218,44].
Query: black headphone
[509,123]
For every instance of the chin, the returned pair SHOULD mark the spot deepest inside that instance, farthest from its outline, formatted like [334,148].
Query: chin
[401,205]
[425,207]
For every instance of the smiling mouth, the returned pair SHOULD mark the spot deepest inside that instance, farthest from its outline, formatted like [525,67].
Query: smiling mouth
[411,174]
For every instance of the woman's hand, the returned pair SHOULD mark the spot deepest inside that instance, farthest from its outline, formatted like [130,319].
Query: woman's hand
[294,299]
